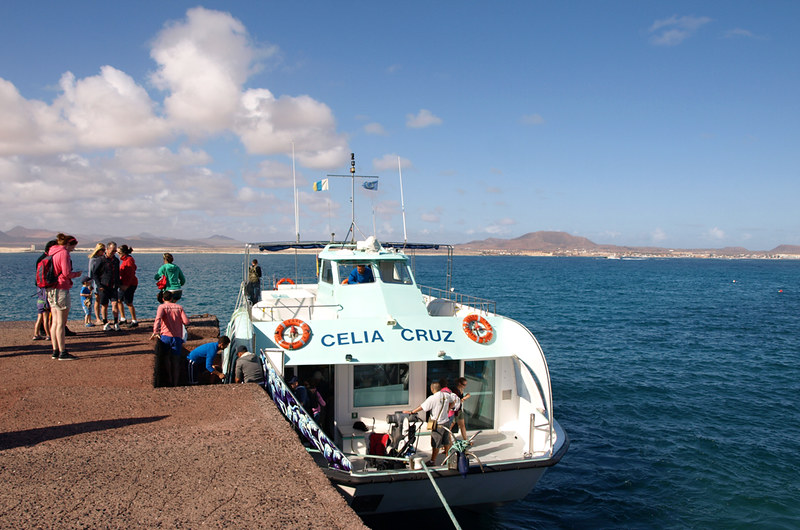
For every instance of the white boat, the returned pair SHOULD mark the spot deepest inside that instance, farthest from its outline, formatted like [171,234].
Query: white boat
[376,347]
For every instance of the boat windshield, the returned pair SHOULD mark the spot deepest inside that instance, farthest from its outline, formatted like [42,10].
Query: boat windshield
[395,272]
[389,271]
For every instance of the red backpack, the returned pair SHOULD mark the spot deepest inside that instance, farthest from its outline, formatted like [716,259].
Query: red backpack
[46,276]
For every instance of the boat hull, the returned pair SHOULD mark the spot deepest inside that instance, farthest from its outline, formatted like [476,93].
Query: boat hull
[417,493]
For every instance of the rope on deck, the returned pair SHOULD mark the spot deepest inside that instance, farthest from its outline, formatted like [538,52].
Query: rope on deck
[441,497]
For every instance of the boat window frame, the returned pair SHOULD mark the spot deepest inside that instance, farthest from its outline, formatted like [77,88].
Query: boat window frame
[349,265]
[326,267]
[406,390]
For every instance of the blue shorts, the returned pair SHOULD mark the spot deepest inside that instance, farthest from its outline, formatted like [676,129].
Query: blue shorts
[174,344]
[86,302]
[42,305]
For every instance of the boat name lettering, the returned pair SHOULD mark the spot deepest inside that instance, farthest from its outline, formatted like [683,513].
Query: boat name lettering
[345,339]
[350,338]
[426,335]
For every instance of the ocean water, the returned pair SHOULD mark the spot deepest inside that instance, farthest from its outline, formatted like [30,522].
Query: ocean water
[678,381]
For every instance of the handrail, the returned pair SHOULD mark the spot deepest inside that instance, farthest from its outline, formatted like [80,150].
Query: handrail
[483,305]
[548,403]
[310,308]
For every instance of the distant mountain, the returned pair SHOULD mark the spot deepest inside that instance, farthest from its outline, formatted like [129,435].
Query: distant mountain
[561,243]
[786,249]
[25,237]
[534,242]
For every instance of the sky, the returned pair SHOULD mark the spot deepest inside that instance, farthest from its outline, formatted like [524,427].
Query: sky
[671,124]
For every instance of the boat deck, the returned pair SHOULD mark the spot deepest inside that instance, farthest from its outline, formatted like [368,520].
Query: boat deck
[489,447]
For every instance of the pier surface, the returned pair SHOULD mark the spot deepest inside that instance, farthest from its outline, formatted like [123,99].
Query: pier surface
[91,444]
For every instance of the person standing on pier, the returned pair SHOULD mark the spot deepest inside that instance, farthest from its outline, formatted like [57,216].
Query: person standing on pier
[97,253]
[128,283]
[168,329]
[175,278]
[105,273]
[58,296]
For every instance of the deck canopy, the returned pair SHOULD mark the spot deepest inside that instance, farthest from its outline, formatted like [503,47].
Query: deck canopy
[278,246]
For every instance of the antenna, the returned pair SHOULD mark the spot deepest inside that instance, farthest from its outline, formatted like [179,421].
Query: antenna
[352,176]
[296,203]
[402,201]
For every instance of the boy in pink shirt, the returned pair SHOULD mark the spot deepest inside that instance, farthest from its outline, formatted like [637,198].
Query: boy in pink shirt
[168,328]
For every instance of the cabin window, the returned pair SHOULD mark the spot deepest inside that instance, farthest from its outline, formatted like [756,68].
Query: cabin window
[395,272]
[345,268]
[377,385]
[326,273]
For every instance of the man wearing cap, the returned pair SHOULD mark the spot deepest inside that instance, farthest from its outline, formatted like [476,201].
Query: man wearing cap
[201,360]
[248,367]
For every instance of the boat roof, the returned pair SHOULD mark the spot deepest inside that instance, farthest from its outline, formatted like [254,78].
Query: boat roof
[277,246]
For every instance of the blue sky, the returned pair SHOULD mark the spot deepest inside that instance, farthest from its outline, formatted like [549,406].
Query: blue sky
[674,124]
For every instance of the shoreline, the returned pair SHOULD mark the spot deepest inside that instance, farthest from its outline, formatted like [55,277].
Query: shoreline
[566,253]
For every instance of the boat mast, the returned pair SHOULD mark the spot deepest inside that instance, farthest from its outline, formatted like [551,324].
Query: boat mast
[353,177]
[402,201]
[296,205]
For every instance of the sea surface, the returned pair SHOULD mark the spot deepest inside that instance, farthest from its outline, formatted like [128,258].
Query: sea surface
[678,381]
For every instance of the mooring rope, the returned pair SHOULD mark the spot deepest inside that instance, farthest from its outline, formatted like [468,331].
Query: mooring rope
[441,497]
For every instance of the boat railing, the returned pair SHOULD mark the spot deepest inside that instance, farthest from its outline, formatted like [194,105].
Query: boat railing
[267,313]
[302,280]
[483,305]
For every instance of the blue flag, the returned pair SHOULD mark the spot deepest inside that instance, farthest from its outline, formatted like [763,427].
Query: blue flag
[371,185]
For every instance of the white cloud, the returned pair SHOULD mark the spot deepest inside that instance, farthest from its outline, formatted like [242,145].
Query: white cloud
[674,30]
[104,136]
[430,217]
[740,33]
[154,160]
[424,118]
[203,62]
[388,162]
[532,119]
[658,235]
[99,112]
[375,128]
[271,174]
[268,126]
[716,233]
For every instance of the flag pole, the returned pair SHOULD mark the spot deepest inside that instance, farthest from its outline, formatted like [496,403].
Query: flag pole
[402,201]
[296,205]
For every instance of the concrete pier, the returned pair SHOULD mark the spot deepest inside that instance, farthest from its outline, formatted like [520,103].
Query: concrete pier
[91,444]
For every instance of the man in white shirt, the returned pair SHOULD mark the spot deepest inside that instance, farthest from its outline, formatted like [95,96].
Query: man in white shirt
[438,404]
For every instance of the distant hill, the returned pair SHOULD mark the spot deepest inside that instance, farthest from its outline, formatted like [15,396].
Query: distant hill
[535,241]
[25,237]
[562,243]
[542,242]
[786,249]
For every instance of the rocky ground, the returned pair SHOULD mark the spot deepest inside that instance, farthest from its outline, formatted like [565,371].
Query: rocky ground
[91,444]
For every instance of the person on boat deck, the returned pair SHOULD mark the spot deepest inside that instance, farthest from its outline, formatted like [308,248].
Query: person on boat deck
[201,360]
[248,367]
[253,287]
[438,404]
[299,391]
[361,274]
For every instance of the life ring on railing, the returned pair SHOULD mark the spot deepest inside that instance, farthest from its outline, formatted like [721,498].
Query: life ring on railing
[282,281]
[297,340]
[477,328]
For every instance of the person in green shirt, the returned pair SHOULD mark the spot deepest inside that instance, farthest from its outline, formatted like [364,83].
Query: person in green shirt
[175,278]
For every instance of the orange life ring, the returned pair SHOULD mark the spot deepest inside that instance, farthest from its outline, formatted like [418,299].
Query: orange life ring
[282,281]
[478,329]
[297,340]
